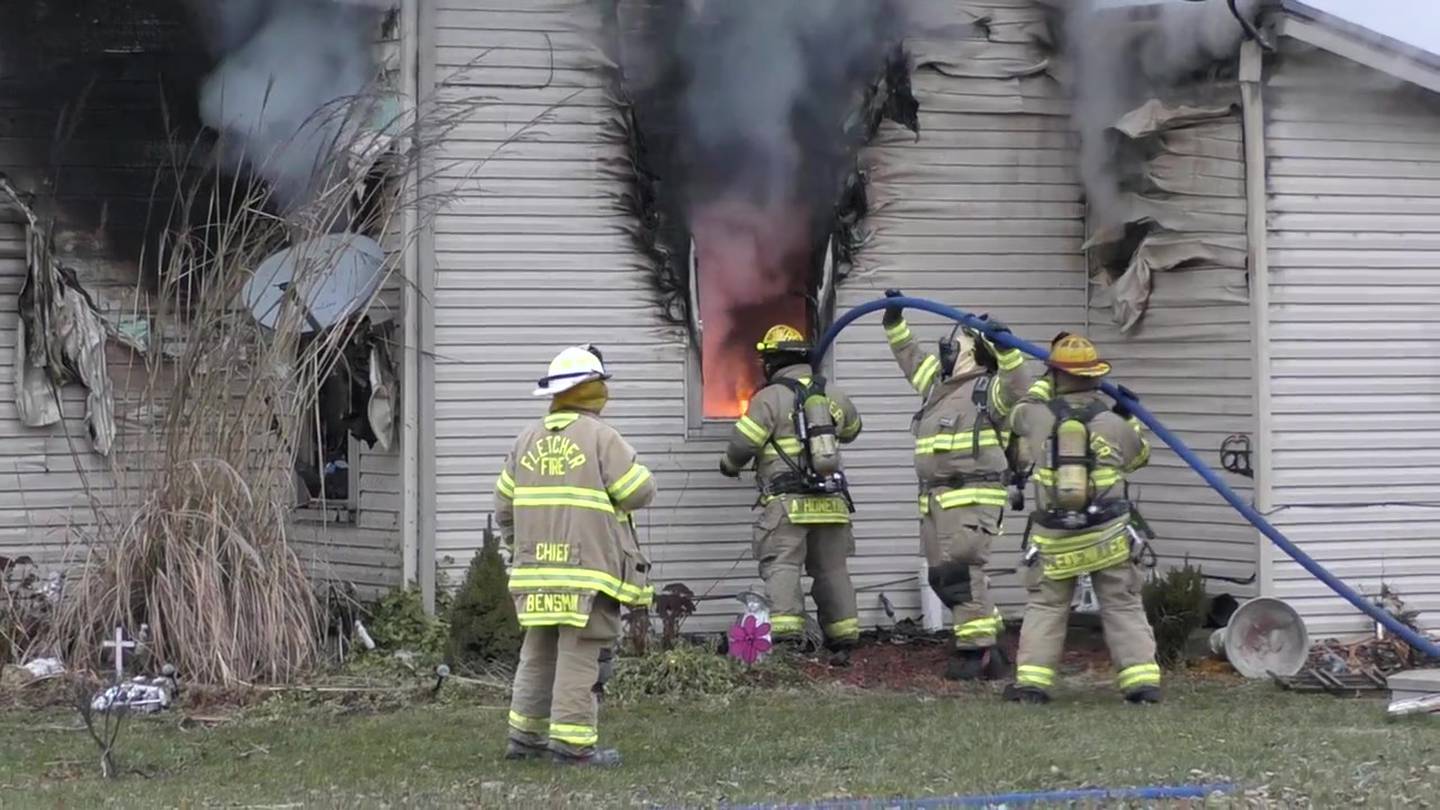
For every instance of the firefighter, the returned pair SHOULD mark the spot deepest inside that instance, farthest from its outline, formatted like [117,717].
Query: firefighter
[563,501]
[1083,448]
[805,517]
[967,390]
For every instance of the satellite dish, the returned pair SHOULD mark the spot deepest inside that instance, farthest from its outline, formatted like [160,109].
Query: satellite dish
[329,277]
[1264,637]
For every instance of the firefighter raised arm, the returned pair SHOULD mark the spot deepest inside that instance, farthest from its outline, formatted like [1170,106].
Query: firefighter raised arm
[966,389]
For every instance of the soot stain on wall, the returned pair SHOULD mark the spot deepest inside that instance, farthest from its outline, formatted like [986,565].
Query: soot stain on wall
[98,117]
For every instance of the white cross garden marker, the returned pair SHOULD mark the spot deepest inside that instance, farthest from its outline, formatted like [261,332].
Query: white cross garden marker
[119,645]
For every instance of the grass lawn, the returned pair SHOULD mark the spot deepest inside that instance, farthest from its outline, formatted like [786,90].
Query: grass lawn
[806,745]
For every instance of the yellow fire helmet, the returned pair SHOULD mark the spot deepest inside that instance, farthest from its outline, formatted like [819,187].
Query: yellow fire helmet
[1076,355]
[783,338]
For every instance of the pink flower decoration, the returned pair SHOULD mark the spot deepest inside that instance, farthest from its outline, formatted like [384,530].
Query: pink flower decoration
[749,639]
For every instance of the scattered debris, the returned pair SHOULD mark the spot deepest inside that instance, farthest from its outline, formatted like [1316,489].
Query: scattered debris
[363,636]
[34,671]
[1347,684]
[139,696]
[42,668]
[60,336]
[1387,655]
[1424,705]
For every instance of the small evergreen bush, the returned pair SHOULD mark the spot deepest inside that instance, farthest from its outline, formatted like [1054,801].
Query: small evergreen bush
[483,627]
[1176,608]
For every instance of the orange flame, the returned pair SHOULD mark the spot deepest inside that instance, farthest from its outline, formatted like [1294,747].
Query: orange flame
[753,269]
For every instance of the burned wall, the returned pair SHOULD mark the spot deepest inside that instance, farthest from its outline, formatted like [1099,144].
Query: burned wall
[97,113]
[745,119]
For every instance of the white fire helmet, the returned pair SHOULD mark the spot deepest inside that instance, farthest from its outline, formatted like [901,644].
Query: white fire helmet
[571,367]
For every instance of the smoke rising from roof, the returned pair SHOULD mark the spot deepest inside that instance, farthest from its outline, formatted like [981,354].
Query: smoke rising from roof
[1119,64]
[285,69]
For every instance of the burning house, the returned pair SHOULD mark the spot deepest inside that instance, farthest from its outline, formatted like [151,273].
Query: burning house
[1243,223]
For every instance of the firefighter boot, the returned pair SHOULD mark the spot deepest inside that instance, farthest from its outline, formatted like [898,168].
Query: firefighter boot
[997,664]
[1144,696]
[965,665]
[517,751]
[1016,693]
[597,758]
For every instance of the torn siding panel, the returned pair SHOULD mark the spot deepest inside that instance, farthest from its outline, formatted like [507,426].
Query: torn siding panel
[42,481]
[107,181]
[983,210]
[1355,204]
[1178,312]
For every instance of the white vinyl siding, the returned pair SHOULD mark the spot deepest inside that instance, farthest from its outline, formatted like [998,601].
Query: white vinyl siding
[983,211]
[533,256]
[1354,247]
[1190,358]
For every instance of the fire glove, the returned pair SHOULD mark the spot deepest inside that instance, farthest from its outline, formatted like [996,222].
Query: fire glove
[1120,410]
[995,324]
[727,469]
[894,315]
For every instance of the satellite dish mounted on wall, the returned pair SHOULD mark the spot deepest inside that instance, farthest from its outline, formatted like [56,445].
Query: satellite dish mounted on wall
[328,277]
[1265,637]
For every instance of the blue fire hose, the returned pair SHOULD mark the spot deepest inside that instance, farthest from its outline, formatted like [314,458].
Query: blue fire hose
[1157,793]
[1394,625]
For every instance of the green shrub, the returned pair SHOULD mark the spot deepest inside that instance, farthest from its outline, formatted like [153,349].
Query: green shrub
[687,670]
[1175,606]
[483,628]
[399,623]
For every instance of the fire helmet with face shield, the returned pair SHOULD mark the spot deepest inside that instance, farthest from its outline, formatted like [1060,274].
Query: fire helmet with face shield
[571,367]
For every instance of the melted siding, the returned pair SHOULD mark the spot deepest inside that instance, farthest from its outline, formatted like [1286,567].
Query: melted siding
[984,210]
[1196,328]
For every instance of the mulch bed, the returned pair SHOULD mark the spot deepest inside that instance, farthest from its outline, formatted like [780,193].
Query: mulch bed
[916,664]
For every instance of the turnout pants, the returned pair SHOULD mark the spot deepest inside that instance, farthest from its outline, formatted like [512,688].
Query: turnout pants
[782,548]
[956,542]
[1122,616]
[554,703]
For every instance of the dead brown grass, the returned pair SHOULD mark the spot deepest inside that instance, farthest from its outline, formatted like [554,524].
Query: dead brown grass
[192,536]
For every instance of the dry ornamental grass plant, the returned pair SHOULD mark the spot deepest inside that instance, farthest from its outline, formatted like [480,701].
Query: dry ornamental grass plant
[192,536]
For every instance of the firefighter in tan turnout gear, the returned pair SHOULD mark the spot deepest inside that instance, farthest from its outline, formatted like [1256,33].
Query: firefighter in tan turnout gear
[967,390]
[564,500]
[792,429]
[1082,449]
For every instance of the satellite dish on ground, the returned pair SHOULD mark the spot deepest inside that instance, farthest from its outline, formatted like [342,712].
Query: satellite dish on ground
[1264,637]
[329,277]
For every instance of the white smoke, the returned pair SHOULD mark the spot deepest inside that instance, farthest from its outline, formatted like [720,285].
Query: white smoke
[1119,65]
[286,70]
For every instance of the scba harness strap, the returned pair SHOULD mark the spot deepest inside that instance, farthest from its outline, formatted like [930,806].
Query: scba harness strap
[803,478]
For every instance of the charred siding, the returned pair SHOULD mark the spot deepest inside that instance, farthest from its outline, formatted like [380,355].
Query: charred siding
[983,210]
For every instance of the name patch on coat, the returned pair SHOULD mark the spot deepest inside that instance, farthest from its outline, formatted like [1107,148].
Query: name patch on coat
[553,456]
[552,552]
[552,603]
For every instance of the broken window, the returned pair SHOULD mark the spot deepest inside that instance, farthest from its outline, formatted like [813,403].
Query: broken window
[744,122]
[352,405]
[737,307]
